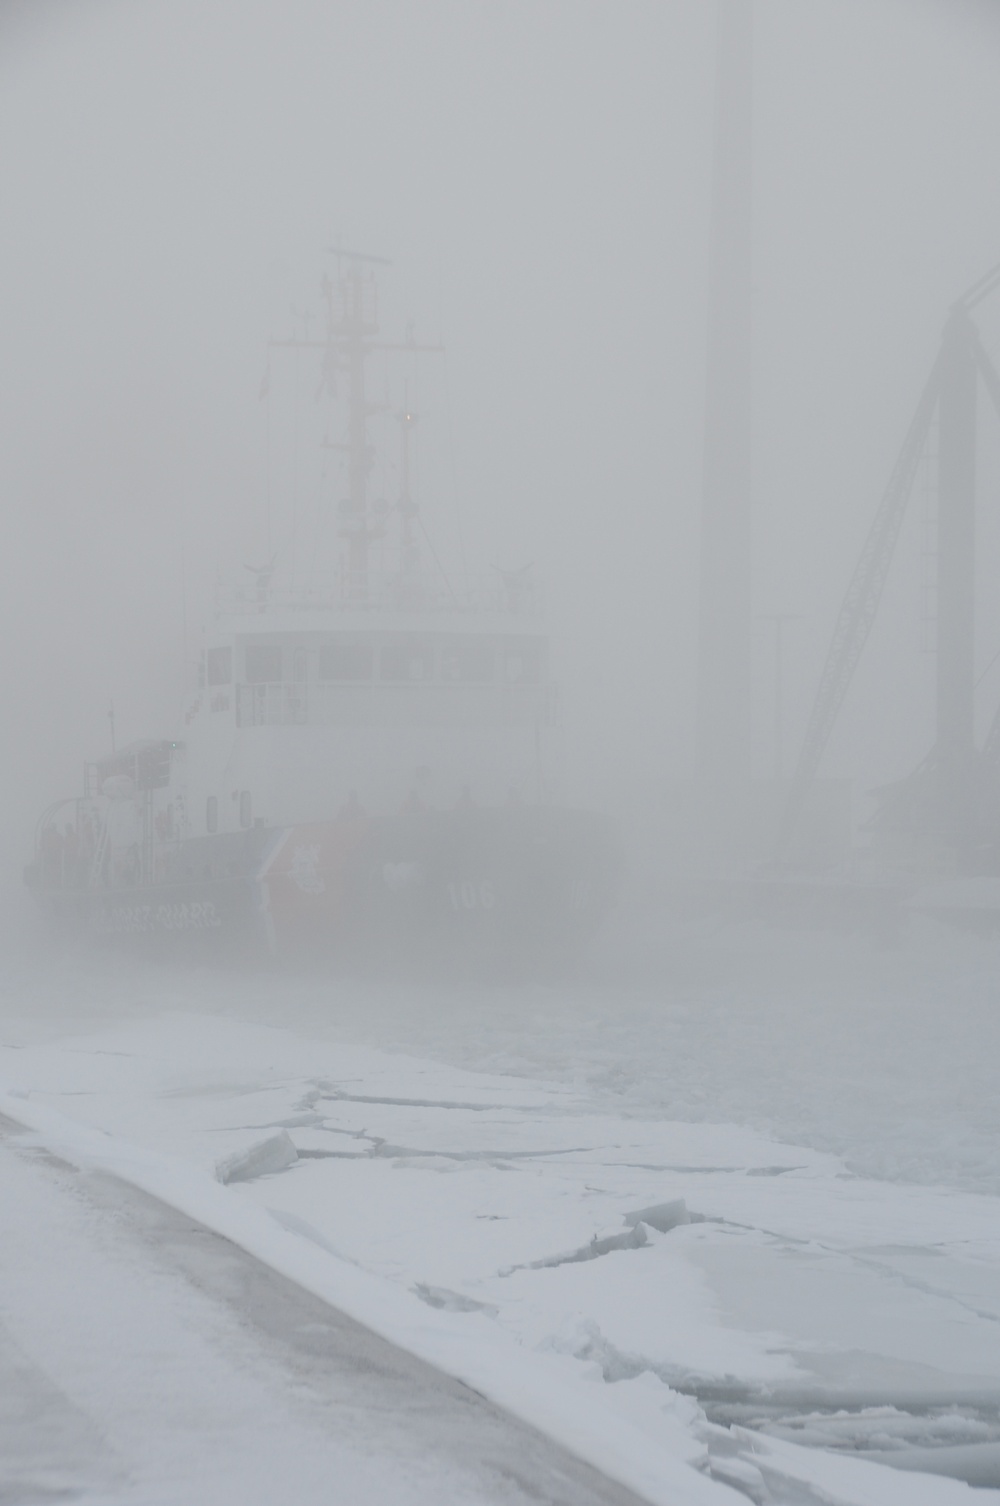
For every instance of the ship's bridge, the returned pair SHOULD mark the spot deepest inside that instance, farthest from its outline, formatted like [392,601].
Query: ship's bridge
[400,654]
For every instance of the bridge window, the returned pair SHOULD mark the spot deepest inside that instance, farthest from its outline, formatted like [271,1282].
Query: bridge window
[220,666]
[263,663]
[469,660]
[410,660]
[346,661]
[246,808]
[212,813]
[152,766]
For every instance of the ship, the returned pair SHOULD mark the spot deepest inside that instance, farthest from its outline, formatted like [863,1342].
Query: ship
[367,769]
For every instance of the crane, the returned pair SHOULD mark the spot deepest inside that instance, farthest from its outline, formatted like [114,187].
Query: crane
[950,392]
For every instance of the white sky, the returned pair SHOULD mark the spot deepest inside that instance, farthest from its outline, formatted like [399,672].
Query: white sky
[538,174]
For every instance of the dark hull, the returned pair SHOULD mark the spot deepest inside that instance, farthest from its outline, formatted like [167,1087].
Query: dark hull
[518,881]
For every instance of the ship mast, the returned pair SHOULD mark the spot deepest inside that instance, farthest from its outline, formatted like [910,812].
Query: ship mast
[351,327]
[352,321]
[406,506]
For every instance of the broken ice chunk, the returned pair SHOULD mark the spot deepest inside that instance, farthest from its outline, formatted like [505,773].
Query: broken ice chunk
[606,1246]
[661,1216]
[273,1154]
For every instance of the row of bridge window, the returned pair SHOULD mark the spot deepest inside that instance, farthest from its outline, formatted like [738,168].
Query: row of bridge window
[469,661]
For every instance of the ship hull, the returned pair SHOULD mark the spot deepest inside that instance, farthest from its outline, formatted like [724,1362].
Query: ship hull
[474,884]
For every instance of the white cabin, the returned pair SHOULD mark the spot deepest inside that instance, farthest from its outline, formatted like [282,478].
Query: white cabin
[409,698]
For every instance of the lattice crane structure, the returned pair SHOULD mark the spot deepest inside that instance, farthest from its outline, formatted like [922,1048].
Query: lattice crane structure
[951,393]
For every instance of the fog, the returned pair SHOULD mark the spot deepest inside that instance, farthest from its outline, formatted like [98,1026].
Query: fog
[537,178]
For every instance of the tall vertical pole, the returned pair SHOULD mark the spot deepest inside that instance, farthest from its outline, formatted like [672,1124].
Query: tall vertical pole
[359,460]
[405,505]
[956,593]
[778,713]
[724,668]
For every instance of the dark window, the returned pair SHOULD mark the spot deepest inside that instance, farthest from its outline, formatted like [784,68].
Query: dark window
[263,663]
[220,666]
[300,665]
[411,660]
[212,813]
[469,660]
[147,766]
[152,766]
[346,661]
[246,808]
[522,661]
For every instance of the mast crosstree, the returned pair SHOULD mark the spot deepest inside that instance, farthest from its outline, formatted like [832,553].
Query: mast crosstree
[351,328]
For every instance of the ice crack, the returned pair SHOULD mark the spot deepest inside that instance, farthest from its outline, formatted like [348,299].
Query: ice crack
[632,1239]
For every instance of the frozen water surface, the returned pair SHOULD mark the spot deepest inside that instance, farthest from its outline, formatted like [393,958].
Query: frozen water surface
[885,1055]
[144,1360]
[816,1115]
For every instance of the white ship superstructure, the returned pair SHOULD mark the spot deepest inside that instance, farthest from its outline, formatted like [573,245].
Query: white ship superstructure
[372,756]
[413,695]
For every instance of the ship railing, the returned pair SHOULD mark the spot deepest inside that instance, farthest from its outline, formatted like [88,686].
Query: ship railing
[68,843]
[508,594]
[318,703]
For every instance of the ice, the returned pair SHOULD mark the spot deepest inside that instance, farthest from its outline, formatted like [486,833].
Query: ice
[976,1463]
[633,1240]
[662,1216]
[276,1153]
[536,1205]
[770,1290]
[543,1390]
[744,1477]
[810,1477]
[453,1302]
[171,1370]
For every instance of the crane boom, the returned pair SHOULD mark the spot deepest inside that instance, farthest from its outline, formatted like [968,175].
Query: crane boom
[979,290]
[989,374]
[860,605]
[991,747]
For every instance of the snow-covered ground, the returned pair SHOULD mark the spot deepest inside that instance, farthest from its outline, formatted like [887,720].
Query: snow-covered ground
[720,1209]
[146,1362]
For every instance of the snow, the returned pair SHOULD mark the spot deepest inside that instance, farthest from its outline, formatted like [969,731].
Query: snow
[141,1380]
[542,1389]
[611,1214]
[190,1427]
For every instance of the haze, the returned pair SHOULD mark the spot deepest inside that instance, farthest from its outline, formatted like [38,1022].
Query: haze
[726,1156]
[538,176]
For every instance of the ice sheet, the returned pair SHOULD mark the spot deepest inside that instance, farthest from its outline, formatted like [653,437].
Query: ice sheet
[471,1195]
